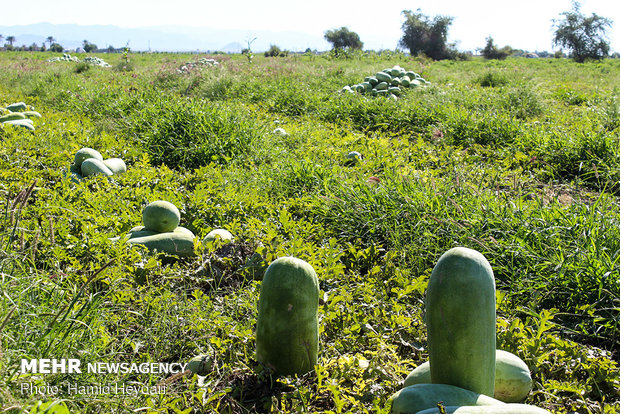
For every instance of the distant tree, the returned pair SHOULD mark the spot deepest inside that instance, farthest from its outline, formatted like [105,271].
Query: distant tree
[88,47]
[55,47]
[42,49]
[491,51]
[422,35]
[275,51]
[1,37]
[50,40]
[585,37]
[33,47]
[518,52]
[10,39]
[343,38]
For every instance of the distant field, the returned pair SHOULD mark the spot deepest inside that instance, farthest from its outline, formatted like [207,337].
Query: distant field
[518,159]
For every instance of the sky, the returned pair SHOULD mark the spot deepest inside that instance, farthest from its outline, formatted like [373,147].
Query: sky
[524,24]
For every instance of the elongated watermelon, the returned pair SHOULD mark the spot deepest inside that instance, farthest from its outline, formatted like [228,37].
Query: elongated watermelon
[419,397]
[513,380]
[116,165]
[382,86]
[287,327]
[383,77]
[395,90]
[179,242]
[488,409]
[17,107]
[12,117]
[31,114]
[460,318]
[24,123]
[93,166]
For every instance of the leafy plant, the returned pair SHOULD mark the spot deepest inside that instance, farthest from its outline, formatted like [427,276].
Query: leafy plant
[248,51]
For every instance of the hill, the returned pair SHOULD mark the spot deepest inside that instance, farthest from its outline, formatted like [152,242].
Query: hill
[161,38]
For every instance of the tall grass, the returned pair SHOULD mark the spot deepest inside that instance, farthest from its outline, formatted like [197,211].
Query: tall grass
[189,133]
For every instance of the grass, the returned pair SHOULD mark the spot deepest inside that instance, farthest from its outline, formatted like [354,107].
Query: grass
[517,159]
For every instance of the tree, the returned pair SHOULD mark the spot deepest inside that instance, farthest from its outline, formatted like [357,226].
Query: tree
[10,39]
[275,51]
[55,47]
[491,51]
[88,47]
[423,35]
[585,37]
[50,40]
[343,38]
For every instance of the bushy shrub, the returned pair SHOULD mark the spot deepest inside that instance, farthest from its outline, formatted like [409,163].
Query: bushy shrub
[522,102]
[81,67]
[492,79]
[275,51]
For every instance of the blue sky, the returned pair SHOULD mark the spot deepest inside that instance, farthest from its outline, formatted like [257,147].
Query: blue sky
[525,24]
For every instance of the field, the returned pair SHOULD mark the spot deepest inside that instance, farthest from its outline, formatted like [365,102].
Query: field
[518,159]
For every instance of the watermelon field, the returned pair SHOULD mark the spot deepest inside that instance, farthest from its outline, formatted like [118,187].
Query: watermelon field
[518,160]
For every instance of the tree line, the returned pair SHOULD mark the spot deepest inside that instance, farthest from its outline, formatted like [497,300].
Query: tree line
[584,36]
[52,45]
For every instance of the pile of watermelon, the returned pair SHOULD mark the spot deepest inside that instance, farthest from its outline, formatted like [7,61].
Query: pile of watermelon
[95,61]
[88,161]
[200,63]
[18,114]
[65,58]
[389,82]
[91,60]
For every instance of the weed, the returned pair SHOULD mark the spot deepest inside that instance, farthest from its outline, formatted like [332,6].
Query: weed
[492,80]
